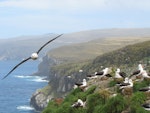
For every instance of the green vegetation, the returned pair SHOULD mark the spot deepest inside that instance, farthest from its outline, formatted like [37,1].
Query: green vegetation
[69,68]
[100,101]
[137,99]
[45,90]
[139,85]
[65,107]
[92,49]
[124,58]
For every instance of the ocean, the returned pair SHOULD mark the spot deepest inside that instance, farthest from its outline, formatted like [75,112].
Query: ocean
[17,89]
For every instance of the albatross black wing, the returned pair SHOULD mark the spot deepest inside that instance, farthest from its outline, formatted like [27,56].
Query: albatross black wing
[136,72]
[78,84]
[100,73]
[16,67]
[123,74]
[48,43]
[144,89]
[124,84]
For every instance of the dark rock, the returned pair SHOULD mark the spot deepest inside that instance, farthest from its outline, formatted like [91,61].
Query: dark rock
[39,100]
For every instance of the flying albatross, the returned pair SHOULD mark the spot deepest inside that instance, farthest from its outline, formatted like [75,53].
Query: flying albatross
[33,56]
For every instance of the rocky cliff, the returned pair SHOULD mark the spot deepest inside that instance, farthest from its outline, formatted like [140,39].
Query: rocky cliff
[63,77]
[44,67]
[58,86]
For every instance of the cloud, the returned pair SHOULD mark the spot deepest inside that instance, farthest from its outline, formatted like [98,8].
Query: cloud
[36,16]
[25,4]
[76,4]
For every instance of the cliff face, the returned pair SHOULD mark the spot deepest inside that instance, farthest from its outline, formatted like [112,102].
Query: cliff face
[39,101]
[62,78]
[44,67]
[59,85]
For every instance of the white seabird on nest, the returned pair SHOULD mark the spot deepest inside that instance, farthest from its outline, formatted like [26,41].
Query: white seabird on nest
[120,74]
[91,76]
[103,72]
[139,71]
[79,103]
[128,84]
[145,89]
[145,74]
[33,56]
[82,84]
[126,80]
[146,106]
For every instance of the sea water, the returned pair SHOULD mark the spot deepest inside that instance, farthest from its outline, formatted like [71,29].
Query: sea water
[17,89]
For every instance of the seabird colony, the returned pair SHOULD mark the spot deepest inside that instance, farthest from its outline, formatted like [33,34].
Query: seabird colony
[124,82]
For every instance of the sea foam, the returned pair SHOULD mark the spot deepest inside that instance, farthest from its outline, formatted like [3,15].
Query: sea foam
[32,78]
[25,108]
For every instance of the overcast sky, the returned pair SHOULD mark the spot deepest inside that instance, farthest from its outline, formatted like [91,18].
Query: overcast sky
[34,17]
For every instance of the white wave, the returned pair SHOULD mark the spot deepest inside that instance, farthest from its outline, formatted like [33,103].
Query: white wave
[39,80]
[25,108]
[32,78]
[22,76]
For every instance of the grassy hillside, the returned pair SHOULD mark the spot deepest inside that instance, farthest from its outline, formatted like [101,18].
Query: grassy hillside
[100,99]
[127,56]
[99,94]
[92,49]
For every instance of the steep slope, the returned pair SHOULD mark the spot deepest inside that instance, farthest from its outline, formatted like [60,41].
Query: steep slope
[92,49]
[100,97]
[60,84]
[127,56]
[84,51]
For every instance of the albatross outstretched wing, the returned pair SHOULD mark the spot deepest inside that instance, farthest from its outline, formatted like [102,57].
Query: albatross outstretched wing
[48,43]
[30,57]
[16,67]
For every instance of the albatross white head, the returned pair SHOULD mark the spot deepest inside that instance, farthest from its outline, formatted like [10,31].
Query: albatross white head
[140,67]
[118,70]
[105,71]
[84,82]
[34,56]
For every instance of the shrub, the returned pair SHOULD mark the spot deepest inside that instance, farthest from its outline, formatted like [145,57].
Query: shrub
[137,100]
[139,85]
[93,101]
[114,105]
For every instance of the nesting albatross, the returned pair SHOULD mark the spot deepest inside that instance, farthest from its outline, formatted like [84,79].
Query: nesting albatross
[33,56]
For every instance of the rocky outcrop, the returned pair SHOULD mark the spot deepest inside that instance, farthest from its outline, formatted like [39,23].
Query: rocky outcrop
[39,100]
[59,88]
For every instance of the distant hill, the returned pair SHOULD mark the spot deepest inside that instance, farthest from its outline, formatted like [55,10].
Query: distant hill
[92,49]
[21,47]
